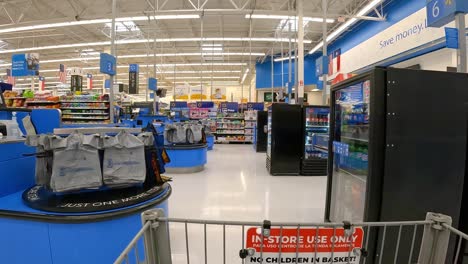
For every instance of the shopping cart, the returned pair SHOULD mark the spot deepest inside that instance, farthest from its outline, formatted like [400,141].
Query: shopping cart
[165,240]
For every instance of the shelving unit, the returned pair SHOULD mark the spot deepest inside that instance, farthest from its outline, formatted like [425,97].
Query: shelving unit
[84,110]
[230,128]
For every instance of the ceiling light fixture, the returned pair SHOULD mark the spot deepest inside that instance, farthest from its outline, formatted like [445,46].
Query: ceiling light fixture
[285,58]
[245,76]
[347,24]
[97,21]
[135,41]
[306,19]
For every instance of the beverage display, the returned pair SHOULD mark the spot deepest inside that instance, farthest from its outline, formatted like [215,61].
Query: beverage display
[350,152]
[316,129]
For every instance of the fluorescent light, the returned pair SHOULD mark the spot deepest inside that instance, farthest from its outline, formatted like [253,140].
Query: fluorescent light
[245,75]
[135,41]
[212,45]
[307,19]
[316,90]
[285,58]
[212,48]
[96,21]
[347,24]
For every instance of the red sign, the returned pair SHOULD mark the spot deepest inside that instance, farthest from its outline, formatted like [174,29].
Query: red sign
[309,243]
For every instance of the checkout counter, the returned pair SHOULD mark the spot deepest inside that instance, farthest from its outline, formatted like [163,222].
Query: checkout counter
[40,227]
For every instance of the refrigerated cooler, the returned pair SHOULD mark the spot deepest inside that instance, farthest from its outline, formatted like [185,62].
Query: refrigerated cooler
[284,139]
[259,132]
[399,143]
[315,145]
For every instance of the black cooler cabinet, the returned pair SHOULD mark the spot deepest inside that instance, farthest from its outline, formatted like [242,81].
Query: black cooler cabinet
[398,141]
[260,135]
[284,139]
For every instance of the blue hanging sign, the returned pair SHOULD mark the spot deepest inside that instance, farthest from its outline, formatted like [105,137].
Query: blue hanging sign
[451,38]
[206,104]
[321,66]
[152,84]
[25,64]
[178,105]
[133,68]
[151,95]
[107,84]
[441,12]
[108,64]
[230,107]
[255,106]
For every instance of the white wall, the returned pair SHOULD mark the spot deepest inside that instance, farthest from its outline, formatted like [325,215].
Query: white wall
[435,61]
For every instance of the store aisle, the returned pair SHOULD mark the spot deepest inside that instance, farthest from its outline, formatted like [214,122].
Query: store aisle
[235,185]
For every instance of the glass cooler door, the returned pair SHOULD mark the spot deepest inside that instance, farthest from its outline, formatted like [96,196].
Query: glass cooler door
[350,153]
[316,133]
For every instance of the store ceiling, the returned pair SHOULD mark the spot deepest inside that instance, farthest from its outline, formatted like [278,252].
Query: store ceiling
[177,40]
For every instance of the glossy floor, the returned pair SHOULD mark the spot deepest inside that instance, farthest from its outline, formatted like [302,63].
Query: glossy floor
[235,186]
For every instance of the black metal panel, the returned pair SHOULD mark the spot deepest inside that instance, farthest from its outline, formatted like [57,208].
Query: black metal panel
[426,147]
[261,140]
[286,145]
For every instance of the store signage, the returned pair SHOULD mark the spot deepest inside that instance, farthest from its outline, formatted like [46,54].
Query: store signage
[107,64]
[321,66]
[205,104]
[76,83]
[306,245]
[229,107]
[133,79]
[177,105]
[451,38]
[75,71]
[219,94]
[38,197]
[152,84]
[255,106]
[441,12]
[25,64]
[133,68]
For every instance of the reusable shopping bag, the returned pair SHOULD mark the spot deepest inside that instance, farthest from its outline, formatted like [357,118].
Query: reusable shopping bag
[76,164]
[124,160]
[44,158]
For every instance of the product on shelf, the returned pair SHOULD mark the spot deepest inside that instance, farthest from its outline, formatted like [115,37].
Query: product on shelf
[85,109]
[14,99]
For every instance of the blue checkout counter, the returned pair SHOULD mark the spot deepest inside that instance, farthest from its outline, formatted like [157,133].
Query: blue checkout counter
[210,140]
[186,158]
[31,235]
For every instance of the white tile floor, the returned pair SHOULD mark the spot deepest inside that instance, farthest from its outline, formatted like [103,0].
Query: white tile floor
[235,185]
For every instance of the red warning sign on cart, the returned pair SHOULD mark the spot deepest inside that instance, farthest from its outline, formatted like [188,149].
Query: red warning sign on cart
[311,245]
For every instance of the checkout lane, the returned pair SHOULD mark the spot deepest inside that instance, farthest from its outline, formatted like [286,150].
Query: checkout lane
[61,237]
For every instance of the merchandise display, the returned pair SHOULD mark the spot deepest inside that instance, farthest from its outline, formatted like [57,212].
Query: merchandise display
[250,118]
[230,128]
[316,130]
[85,109]
[383,145]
